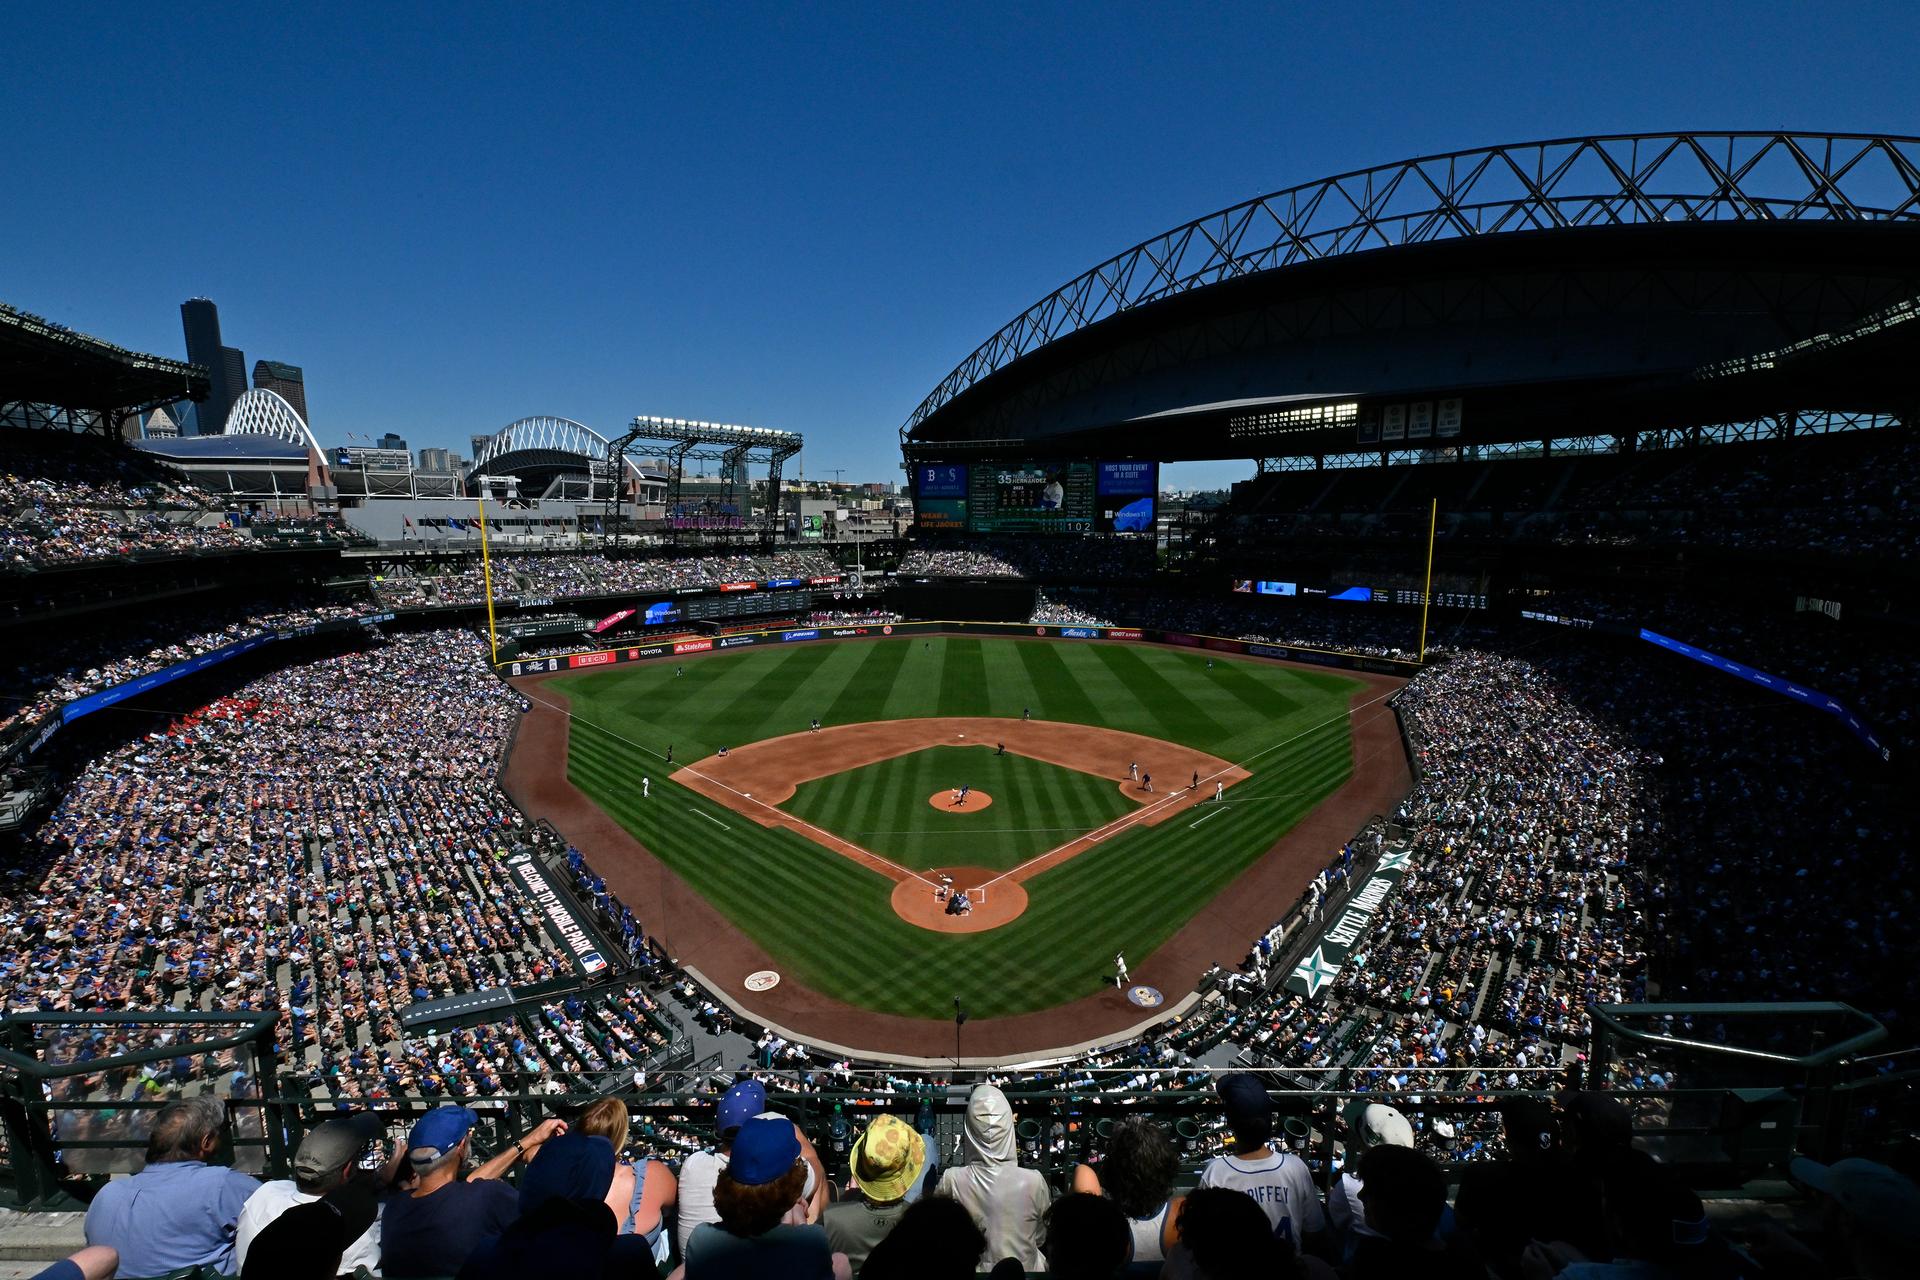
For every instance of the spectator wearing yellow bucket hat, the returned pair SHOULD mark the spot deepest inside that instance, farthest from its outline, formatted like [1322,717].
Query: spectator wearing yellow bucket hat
[887,1160]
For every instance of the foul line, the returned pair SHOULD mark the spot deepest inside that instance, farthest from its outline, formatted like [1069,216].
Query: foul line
[1350,714]
[1218,810]
[709,817]
[786,819]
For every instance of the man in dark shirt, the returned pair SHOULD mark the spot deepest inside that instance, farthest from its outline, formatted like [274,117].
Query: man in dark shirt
[886,1160]
[430,1229]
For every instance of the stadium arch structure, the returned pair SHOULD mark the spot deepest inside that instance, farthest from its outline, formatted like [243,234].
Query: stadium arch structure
[545,451]
[1524,292]
[261,412]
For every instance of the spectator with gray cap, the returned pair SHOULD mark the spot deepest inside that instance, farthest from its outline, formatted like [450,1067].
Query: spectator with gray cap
[181,1210]
[431,1228]
[309,1241]
[324,1160]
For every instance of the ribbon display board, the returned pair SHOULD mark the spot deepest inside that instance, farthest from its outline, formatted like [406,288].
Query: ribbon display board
[1322,965]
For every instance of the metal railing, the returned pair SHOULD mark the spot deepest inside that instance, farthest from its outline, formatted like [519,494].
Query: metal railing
[71,1116]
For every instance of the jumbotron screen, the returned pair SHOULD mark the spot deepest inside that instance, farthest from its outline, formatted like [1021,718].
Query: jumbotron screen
[1036,497]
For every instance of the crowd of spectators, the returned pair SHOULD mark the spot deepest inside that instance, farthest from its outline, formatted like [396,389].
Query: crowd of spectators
[66,498]
[1873,672]
[1850,494]
[1313,626]
[1531,888]
[757,1197]
[1087,559]
[324,843]
[90,660]
[461,579]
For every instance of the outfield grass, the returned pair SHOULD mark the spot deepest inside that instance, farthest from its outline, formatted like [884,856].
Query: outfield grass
[830,923]
[883,807]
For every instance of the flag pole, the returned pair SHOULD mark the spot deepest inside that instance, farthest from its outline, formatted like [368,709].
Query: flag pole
[1426,596]
[486,574]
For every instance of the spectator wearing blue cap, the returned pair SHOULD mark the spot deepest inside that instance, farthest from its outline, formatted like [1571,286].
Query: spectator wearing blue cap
[700,1173]
[763,1228]
[431,1228]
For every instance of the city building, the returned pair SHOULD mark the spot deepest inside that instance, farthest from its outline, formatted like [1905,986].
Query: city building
[392,441]
[286,381]
[437,461]
[226,367]
[161,426]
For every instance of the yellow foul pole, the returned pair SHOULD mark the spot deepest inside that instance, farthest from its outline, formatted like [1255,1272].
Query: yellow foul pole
[486,574]
[1426,596]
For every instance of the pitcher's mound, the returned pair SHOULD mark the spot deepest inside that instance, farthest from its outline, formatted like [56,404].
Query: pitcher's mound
[1004,900]
[974,803]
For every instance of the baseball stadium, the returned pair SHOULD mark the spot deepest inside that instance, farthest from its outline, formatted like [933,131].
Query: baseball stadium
[1520,755]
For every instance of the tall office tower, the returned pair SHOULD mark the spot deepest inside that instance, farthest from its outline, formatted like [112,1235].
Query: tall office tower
[201,320]
[285,381]
[479,443]
[392,441]
[233,363]
[436,461]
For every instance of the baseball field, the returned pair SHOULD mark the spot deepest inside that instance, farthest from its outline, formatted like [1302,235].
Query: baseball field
[827,847]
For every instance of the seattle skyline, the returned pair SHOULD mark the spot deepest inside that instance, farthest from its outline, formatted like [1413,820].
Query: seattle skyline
[477,214]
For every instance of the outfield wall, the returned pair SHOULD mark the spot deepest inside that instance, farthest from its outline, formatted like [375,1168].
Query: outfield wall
[801,635]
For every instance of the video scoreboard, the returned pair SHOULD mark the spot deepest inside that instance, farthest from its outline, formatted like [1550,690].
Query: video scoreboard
[1036,497]
[1361,593]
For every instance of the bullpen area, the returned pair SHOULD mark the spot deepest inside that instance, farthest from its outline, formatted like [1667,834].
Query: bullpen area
[987,820]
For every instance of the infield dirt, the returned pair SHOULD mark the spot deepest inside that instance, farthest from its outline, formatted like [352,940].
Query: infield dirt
[698,935]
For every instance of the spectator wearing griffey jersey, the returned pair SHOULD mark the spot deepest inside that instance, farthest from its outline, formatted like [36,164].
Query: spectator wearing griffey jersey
[1278,1181]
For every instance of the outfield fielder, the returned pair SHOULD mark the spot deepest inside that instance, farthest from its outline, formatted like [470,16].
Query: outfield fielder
[646,787]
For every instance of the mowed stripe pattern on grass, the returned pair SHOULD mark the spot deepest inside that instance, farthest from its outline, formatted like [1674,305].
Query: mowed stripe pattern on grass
[884,807]
[830,922]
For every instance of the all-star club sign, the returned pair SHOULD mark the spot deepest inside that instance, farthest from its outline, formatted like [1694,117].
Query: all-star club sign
[1321,965]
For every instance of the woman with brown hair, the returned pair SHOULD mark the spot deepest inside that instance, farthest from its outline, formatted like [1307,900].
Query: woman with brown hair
[642,1189]
[763,1228]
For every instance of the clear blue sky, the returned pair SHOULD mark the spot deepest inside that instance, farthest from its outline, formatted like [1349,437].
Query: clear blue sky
[475,212]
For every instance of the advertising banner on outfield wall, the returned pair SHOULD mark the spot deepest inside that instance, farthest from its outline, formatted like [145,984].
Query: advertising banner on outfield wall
[557,913]
[1319,657]
[1330,950]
